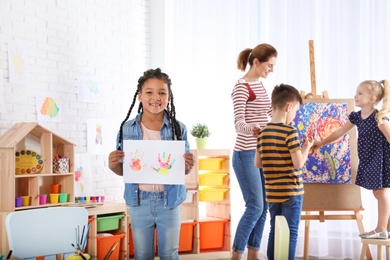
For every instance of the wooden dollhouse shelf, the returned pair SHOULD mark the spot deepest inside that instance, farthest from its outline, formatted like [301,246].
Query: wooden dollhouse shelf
[31,136]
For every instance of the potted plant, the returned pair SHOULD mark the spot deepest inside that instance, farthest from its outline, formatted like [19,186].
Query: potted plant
[200,132]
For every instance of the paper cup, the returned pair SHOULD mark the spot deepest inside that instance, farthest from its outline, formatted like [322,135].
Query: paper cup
[18,202]
[54,198]
[63,197]
[42,199]
[25,200]
[54,188]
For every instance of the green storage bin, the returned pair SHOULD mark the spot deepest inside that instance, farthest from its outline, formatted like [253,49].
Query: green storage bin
[108,223]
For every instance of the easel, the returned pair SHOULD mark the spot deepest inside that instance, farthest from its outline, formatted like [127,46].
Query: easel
[315,201]
[313,93]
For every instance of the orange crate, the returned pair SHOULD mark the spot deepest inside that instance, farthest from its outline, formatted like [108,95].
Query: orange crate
[131,243]
[186,236]
[212,233]
[104,243]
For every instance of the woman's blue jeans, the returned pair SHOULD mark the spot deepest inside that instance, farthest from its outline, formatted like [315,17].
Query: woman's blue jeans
[291,210]
[151,215]
[251,180]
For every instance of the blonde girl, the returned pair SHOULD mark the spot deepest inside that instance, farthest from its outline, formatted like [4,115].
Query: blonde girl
[373,148]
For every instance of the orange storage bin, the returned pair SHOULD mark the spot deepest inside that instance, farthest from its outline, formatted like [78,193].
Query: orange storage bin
[131,243]
[212,233]
[104,244]
[186,235]
[210,164]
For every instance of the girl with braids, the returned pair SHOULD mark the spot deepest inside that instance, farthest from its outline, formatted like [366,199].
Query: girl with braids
[153,205]
[252,107]
[373,148]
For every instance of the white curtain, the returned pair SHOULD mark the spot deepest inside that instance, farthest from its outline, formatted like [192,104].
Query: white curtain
[202,41]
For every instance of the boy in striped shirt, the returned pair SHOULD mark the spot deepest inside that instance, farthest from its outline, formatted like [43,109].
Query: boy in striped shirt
[280,155]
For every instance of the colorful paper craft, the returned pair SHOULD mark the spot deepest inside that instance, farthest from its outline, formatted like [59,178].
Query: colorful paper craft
[154,162]
[28,162]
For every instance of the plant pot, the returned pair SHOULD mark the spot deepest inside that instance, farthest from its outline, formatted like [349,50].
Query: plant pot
[201,143]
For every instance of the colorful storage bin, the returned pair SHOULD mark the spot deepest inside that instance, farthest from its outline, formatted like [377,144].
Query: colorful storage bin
[104,244]
[211,178]
[210,164]
[107,223]
[212,233]
[211,194]
[186,235]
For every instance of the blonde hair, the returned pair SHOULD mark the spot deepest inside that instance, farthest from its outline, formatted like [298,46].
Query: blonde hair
[381,90]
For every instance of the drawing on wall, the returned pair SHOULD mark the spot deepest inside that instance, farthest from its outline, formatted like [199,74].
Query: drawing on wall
[330,163]
[48,107]
[17,63]
[89,90]
[83,178]
[3,108]
[101,136]
[153,162]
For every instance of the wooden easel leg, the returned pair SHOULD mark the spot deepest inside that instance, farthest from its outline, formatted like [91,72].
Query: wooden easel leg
[306,239]
[359,222]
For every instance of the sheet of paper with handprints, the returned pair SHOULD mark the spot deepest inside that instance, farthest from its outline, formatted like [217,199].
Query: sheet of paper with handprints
[154,162]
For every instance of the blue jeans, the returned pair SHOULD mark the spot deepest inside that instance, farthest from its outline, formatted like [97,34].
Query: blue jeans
[251,180]
[150,215]
[291,210]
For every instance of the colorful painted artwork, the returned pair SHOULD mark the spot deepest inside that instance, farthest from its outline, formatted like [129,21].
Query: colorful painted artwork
[330,163]
[48,107]
[101,136]
[17,62]
[89,90]
[83,178]
[153,162]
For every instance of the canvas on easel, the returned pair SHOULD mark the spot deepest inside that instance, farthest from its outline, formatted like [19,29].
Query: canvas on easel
[337,198]
[317,119]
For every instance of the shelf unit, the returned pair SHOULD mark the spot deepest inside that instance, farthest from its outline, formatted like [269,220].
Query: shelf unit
[202,207]
[104,210]
[31,136]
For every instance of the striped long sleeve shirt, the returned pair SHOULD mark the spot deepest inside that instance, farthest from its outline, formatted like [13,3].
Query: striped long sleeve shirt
[249,113]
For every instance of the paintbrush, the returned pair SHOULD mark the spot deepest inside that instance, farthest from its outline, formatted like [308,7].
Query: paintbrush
[9,254]
[111,250]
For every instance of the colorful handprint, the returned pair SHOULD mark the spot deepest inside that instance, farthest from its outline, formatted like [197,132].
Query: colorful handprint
[164,164]
[135,161]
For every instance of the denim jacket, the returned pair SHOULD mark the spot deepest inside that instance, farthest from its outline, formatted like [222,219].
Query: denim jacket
[174,195]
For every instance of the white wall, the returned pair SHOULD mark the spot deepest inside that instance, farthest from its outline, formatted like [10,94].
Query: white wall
[66,40]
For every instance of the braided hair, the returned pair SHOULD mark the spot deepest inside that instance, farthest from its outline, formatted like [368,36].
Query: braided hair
[170,110]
